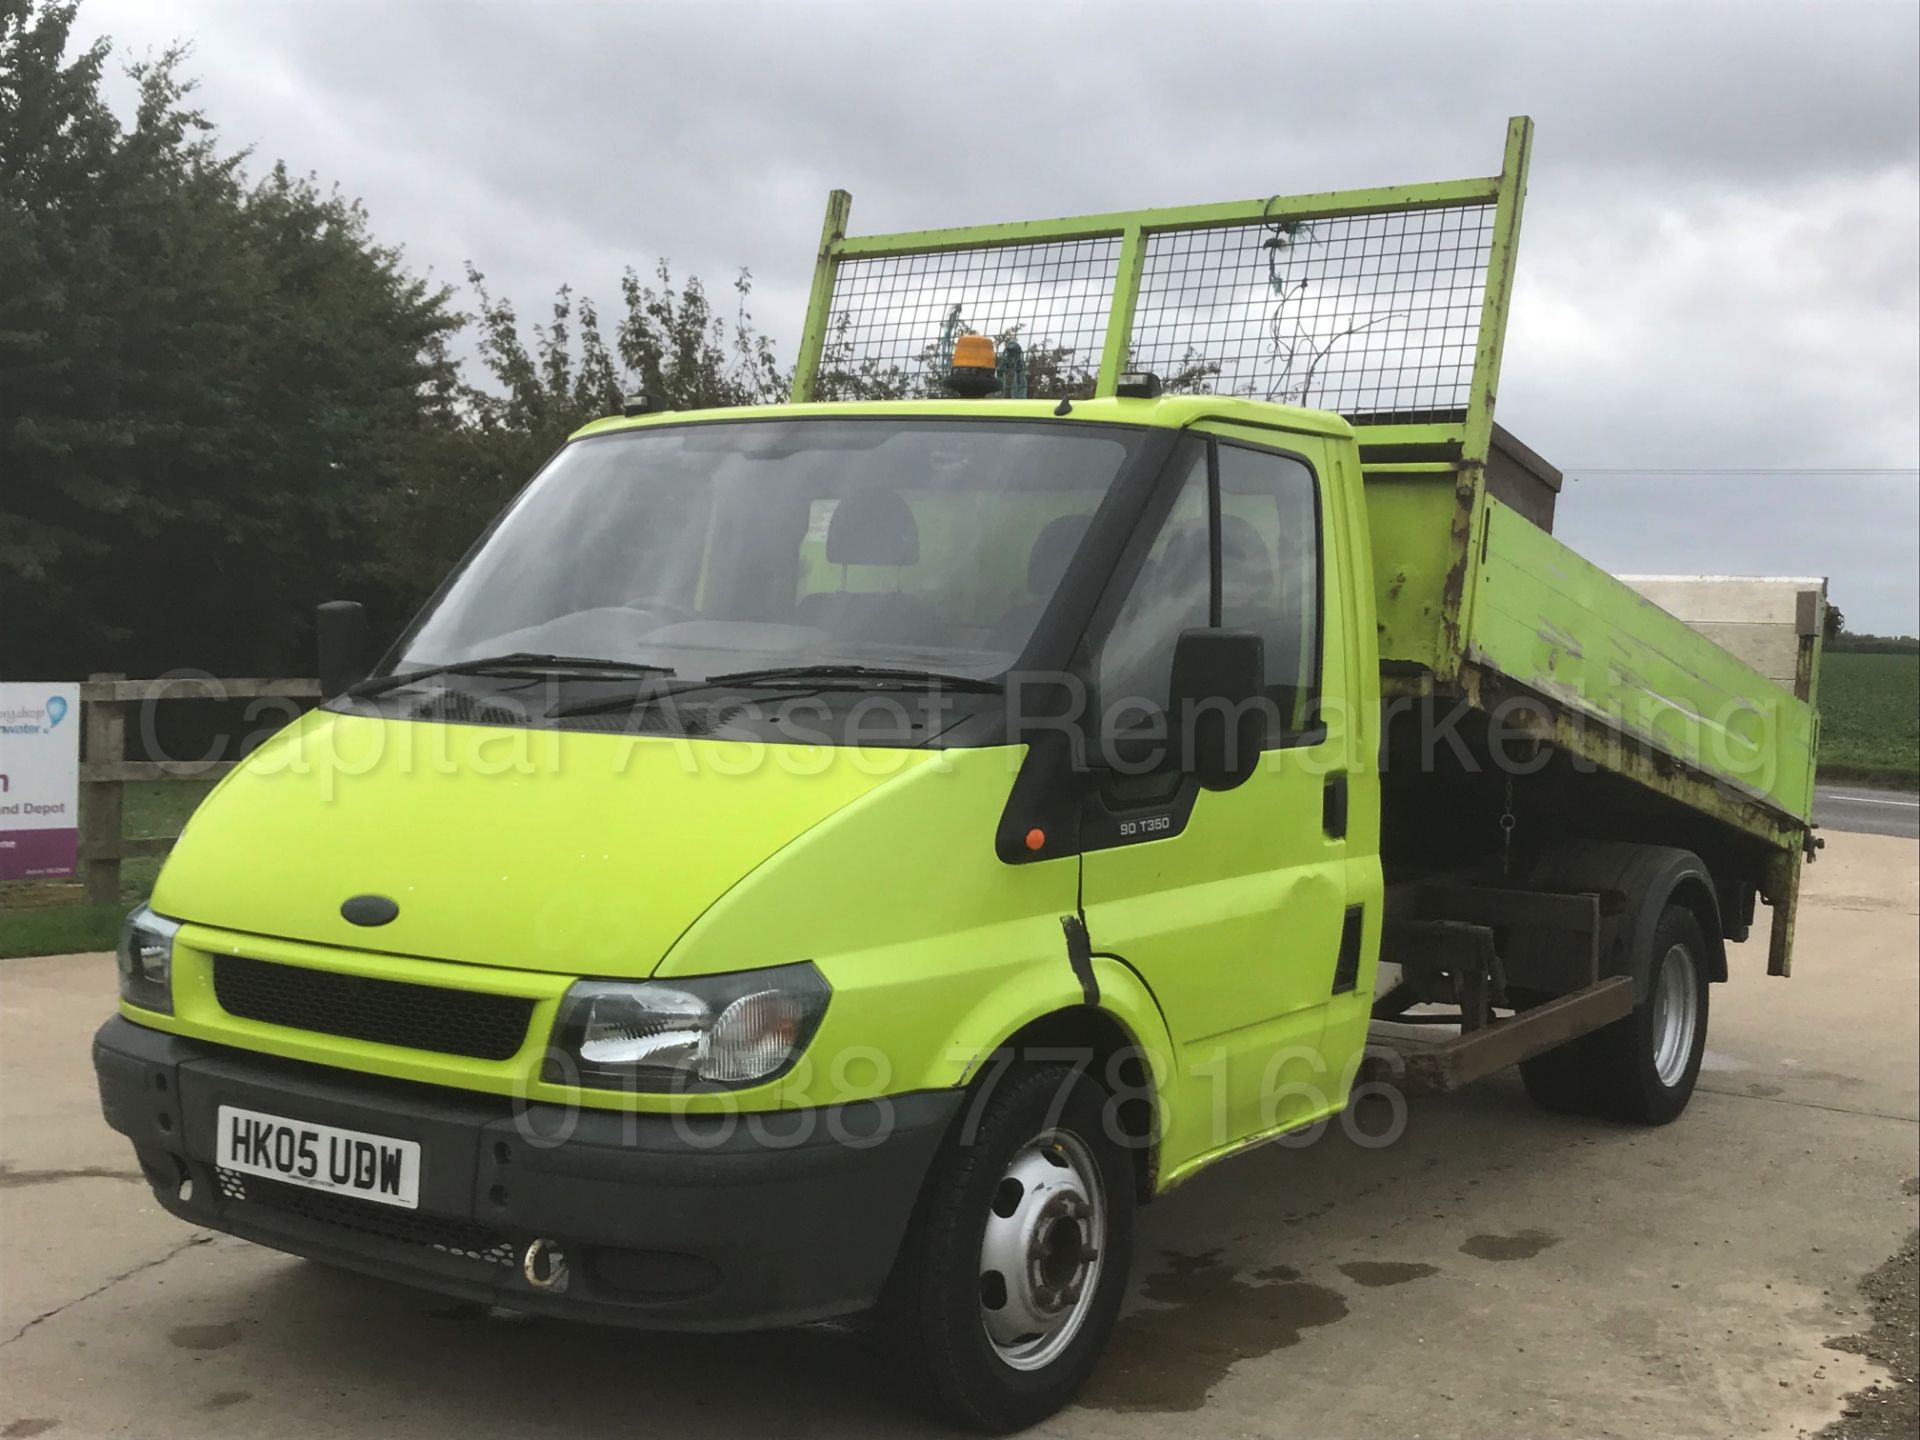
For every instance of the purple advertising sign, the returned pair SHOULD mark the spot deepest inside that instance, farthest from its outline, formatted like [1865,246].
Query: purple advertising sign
[39,780]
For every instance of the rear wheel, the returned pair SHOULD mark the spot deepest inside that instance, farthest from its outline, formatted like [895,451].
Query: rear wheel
[1013,1271]
[1643,1067]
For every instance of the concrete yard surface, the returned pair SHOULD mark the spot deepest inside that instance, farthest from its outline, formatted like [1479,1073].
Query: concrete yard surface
[1496,1271]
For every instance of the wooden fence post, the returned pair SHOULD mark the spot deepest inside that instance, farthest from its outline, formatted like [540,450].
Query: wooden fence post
[102,808]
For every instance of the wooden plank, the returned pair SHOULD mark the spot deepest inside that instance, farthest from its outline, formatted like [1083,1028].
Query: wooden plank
[119,772]
[1506,443]
[142,846]
[1806,669]
[1427,1068]
[198,687]
[1767,622]
[1772,649]
[1809,612]
[104,733]
[1738,599]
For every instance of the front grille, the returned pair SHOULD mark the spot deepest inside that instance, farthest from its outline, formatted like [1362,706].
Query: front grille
[464,1238]
[387,1012]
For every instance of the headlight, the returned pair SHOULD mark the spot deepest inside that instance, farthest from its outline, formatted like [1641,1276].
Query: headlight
[146,960]
[665,1034]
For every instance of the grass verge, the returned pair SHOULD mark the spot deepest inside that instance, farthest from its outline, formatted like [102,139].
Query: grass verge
[46,918]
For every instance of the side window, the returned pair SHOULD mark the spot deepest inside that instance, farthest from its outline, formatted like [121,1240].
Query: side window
[1270,573]
[1170,594]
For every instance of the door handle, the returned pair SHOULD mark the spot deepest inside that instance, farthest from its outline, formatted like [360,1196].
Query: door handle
[1333,807]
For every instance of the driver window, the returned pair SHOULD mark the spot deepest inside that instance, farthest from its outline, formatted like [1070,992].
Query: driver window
[1170,594]
[1269,584]
[1270,575]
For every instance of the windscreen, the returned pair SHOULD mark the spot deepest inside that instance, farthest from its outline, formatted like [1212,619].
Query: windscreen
[713,547]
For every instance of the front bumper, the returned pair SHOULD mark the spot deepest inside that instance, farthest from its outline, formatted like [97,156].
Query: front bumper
[721,1223]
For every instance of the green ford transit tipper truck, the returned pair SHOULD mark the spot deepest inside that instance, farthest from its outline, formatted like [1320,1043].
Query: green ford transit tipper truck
[847,856]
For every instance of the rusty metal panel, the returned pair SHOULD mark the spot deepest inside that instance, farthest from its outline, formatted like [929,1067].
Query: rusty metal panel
[1410,524]
[1782,891]
[1518,476]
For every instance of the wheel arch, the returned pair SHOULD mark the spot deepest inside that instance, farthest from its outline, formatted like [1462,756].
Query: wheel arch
[1638,882]
[1109,1051]
[1695,891]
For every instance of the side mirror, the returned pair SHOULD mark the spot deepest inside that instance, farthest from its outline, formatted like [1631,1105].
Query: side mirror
[1216,705]
[341,628]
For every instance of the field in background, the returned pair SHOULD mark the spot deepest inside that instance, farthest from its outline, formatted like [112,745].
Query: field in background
[45,920]
[1870,718]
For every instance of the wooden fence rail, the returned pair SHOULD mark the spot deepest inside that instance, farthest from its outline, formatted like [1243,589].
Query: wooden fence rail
[105,770]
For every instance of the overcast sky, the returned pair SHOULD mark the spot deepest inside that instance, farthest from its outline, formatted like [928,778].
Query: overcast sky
[1719,269]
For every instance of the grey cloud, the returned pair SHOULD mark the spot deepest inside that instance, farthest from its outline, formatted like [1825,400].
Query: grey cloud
[1655,525]
[1718,267]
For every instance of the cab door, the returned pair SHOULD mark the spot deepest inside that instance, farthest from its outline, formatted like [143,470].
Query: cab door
[1231,905]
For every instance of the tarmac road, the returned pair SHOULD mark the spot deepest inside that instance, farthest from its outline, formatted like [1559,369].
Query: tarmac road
[1870,812]
[1497,1272]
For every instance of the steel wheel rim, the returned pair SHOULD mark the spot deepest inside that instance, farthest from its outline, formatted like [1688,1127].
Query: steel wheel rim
[1676,1015]
[1043,1251]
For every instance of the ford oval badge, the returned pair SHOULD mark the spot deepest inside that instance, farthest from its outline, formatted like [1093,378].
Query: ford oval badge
[369,910]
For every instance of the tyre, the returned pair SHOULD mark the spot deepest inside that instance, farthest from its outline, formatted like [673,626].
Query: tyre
[1561,1080]
[1011,1276]
[1643,1067]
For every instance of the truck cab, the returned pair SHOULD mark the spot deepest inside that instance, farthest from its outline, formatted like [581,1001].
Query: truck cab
[797,770]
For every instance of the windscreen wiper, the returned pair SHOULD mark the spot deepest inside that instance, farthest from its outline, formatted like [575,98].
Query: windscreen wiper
[513,662]
[809,677]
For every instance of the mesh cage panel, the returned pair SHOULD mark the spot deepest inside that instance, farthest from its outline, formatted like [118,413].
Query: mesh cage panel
[892,317]
[1373,316]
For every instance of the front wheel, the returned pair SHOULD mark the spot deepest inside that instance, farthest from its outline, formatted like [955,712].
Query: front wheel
[1643,1067]
[1013,1272]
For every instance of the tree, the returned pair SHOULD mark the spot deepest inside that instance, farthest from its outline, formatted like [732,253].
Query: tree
[668,344]
[222,400]
[206,385]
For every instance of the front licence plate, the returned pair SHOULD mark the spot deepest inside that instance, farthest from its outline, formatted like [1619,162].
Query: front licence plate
[321,1157]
